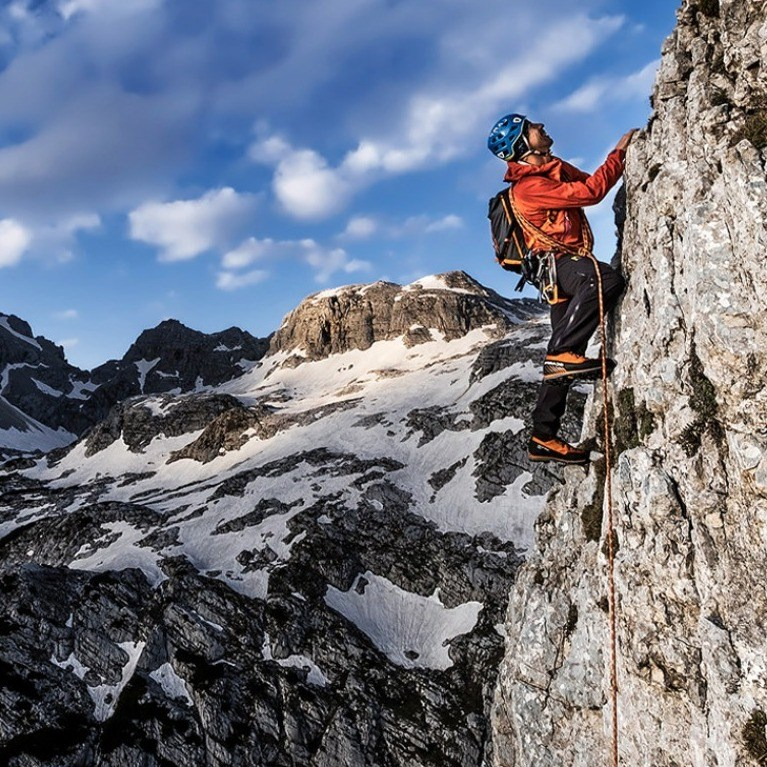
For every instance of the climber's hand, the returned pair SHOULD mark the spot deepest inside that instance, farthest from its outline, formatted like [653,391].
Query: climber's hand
[626,140]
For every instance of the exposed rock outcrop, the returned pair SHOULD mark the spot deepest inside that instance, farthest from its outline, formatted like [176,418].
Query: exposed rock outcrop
[357,316]
[690,476]
[173,357]
[45,402]
[41,394]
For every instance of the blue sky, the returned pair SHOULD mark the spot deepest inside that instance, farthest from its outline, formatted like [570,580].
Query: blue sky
[216,161]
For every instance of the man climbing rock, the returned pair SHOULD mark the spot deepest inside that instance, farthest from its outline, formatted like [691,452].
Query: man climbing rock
[548,196]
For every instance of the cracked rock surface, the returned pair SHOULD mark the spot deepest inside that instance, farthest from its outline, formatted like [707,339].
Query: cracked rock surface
[690,451]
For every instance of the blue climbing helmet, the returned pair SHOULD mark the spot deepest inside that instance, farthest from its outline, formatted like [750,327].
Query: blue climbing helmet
[507,138]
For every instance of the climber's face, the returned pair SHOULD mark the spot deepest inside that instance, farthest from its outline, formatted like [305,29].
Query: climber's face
[537,138]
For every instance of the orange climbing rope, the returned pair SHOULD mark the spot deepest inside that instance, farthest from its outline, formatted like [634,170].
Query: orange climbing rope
[610,524]
[586,251]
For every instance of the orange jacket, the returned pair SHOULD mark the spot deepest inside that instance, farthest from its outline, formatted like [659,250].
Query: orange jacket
[552,196]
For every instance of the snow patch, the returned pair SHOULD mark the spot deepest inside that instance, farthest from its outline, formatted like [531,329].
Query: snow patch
[159,407]
[121,554]
[36,436]
[7,372]
[81,389]
[6,325]
[172,684]
[411,630]
[45,389]
[433,282]
[143,367]
[105,696]
[314,675]
[71,664]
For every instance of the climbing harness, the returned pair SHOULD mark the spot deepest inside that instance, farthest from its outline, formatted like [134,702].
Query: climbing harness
[585,250]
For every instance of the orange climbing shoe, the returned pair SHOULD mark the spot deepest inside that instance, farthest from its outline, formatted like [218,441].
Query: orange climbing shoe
[565,367]
[555,449]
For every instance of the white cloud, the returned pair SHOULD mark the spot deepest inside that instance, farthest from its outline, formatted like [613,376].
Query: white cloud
[436,128]
[186,228]
[14,241]
[68,343]
[308,188]
[18,11]
[444,224]
[67,314]
[78,222]
[268,149]
[235,281]
[601,90]
[324,261]
[59,234]
[119,100]
[417,226]
[246,253]
[359,228]
[69,8]
[327,262]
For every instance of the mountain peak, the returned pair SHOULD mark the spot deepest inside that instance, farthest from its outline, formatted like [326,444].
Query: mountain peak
[357,316]
[16,325]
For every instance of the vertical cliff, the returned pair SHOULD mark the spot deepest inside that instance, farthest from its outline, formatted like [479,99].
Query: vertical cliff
[690,447]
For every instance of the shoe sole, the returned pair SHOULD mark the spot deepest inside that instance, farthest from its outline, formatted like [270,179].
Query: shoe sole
[588,374]
[544,459]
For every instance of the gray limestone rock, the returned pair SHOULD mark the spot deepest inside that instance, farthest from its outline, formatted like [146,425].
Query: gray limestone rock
[690,450]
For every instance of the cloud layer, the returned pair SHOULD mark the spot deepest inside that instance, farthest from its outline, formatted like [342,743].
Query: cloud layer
[324,262]
[435,124]
[110,101]
[186,228]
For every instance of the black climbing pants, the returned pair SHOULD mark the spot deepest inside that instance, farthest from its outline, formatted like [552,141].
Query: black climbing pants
[573,322]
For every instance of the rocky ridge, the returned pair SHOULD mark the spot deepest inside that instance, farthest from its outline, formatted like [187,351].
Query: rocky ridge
[358,316]
[41,394]
[690,477]
[46,403]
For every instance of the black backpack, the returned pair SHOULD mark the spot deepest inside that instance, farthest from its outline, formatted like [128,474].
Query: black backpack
[508,239]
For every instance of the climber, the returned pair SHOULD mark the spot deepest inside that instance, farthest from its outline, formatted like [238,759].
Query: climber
[550,194]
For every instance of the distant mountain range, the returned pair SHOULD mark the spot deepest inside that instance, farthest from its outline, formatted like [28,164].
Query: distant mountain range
[47,403]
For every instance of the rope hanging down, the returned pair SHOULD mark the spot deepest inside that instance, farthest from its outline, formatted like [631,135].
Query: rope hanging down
[585,250]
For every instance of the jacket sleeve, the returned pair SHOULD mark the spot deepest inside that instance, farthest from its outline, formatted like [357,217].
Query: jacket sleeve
[542,192]
[573,173]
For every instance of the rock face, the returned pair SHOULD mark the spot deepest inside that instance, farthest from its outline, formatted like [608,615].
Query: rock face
[308,564]
[41,394]
[337,321]
[173,357]
[46,403]
[690,447]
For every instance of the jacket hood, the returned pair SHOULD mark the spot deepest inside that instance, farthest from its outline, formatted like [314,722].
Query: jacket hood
[517,170]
